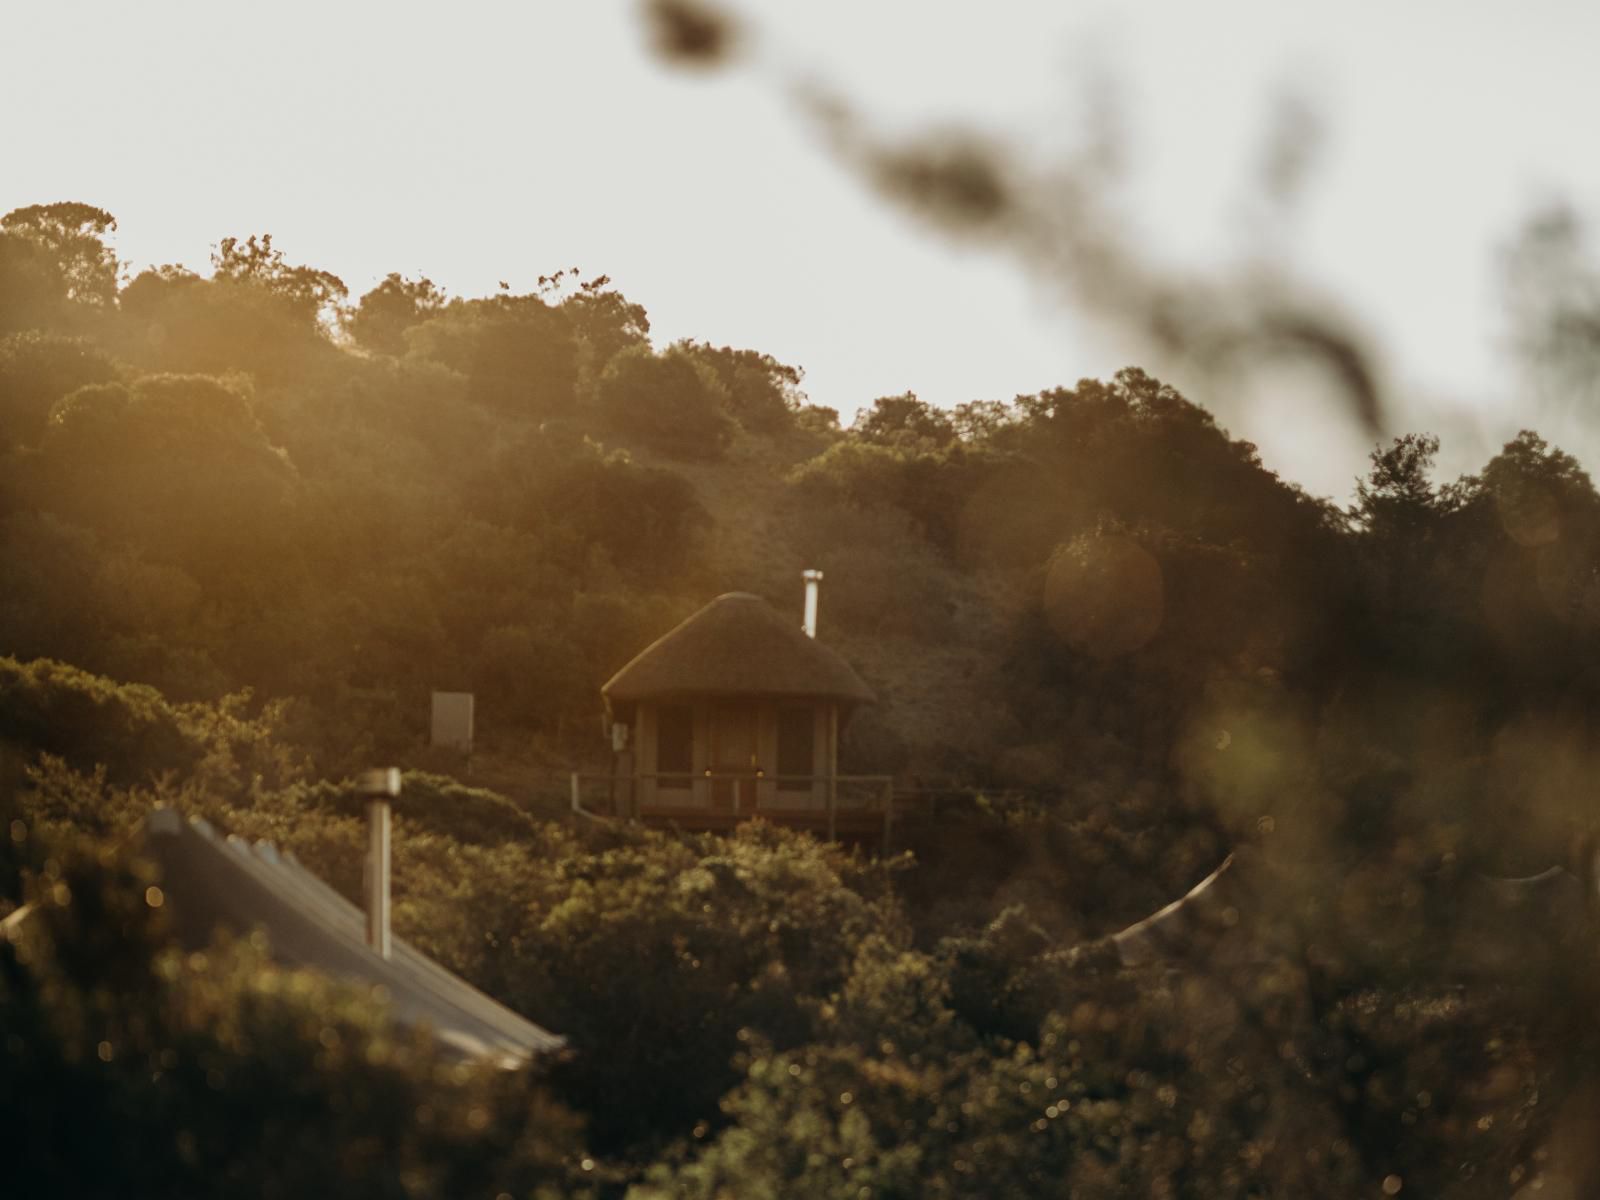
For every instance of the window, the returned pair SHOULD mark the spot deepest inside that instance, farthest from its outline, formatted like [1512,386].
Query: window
[797,748]
[675,740]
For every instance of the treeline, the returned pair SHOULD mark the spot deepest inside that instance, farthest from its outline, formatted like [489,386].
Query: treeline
[247,523]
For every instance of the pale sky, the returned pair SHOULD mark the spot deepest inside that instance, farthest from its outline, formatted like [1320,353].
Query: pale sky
[481,142]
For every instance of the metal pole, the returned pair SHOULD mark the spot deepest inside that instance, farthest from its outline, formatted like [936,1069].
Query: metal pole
[379,787]
[378,876]
[813,580]
[577,804]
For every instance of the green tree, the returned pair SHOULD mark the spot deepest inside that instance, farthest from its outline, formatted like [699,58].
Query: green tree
[904,419]
[519,354]
[257,318]
[382,316]
[309,293]
[763,393]
[214,493]
[147,293]
[581,501]
[1397,497]
[605,321]
[71,238]
[671,403]
[983,420]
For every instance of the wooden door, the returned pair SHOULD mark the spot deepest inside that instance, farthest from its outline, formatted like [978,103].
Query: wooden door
[673,734]
[734,756]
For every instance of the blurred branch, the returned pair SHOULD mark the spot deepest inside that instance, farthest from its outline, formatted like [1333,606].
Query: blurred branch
[1062,227]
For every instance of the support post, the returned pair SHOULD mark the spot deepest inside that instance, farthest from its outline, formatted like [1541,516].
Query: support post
[577,799]
[833,770]
[888,813]
[379,787]
[378,876]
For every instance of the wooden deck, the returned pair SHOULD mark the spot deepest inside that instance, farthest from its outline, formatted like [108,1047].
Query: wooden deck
[856,809]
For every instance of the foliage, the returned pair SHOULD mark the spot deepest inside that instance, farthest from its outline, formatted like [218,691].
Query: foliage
[605,321]
[581,500]
[214,492]
[71,238]
[30,290]
[255,262]
[435,803]
[252,321]
[36,370]
[929,485]
[1110,645]
[519,355]
[134,1068]
[904,420]
[762,393]
[382,316]
[132,733]
[722,937]
[671,403]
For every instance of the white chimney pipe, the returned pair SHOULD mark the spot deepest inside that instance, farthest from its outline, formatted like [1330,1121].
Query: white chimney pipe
[378,787]
[813,578]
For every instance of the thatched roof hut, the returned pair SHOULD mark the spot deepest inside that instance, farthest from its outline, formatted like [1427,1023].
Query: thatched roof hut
[737,710]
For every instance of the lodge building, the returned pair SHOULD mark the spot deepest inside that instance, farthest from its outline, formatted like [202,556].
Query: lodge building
[737,713]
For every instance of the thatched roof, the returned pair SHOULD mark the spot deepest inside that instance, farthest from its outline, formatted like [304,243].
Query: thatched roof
[737,646]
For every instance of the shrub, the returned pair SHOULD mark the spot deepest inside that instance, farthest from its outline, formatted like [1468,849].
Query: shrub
[435,804]
[653,955]
[132,731]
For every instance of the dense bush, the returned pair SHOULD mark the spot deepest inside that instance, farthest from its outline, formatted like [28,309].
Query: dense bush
[132,1069]
[652,957]
[132,732]
[437,804]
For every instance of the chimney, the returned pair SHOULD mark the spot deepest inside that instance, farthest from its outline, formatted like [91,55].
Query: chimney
[378,786]
[813,578]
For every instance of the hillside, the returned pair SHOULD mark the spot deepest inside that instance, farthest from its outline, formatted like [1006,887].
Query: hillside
[248,524]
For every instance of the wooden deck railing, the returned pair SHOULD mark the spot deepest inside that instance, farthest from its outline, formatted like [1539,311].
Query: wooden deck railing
[850,796]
